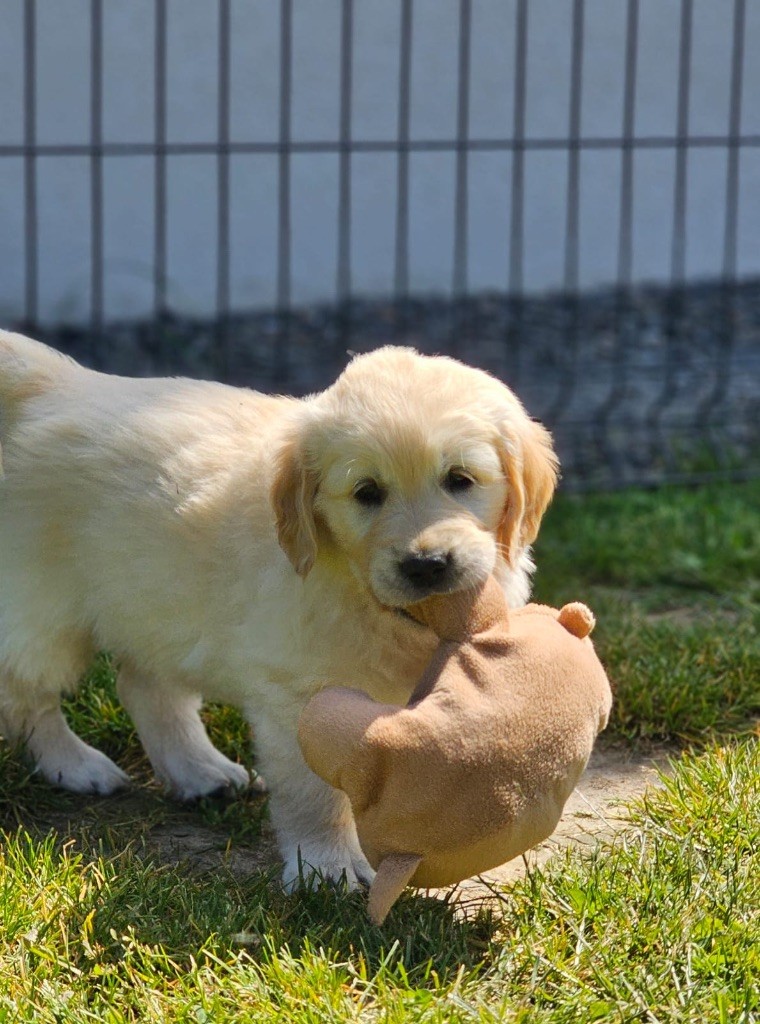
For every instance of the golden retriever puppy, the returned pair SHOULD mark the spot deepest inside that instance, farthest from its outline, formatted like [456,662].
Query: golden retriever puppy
[232,546]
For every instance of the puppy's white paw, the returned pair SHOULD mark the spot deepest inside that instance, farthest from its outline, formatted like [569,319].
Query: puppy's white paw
[189,780]
[82,769]
[65,760]
[311,863]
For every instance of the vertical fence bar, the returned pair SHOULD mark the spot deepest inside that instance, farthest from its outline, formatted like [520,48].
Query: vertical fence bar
[281,359]
[570,277]
[572,217]
[31,256]
[734,133]
[96,178]
[625,232]
[401,259]
[517,195]
[222,338]
[714,402]
[461,197]
[343,271]
[674,315]
[159,183]
[625,330]
[678,245]
[627,327]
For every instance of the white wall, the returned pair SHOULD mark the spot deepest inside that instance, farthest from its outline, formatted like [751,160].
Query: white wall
[63,183]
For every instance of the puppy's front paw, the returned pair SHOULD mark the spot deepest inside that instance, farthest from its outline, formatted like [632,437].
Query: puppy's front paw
[311,863]
[82,769]
[189,780]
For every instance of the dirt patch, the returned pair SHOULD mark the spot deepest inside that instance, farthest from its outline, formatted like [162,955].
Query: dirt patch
[153,827]
[205,849]
[688,616]
[596,810]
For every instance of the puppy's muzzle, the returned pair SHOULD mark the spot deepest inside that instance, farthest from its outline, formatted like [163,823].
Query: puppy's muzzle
[428,572]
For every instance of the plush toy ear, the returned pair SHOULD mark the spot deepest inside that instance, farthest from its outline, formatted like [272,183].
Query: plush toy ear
[530,466]
[330,733]
[292,495]
[577,619]
[392,877]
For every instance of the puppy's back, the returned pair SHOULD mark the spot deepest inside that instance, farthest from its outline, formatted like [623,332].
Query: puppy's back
[29,368]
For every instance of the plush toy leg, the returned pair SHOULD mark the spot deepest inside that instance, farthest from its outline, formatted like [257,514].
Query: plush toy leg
[390,881]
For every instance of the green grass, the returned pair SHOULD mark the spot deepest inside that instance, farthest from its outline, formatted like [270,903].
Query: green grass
[663,925]
[675,542]
[660,924]
[673,577]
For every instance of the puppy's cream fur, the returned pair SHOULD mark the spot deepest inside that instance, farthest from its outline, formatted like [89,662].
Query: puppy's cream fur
[217,542]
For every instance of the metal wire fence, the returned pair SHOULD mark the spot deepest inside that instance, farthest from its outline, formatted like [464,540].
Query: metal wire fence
[639,384]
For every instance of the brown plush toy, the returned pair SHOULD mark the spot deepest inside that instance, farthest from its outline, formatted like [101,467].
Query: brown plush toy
[477,767]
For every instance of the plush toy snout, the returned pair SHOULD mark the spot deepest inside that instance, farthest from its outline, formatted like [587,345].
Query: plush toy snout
[334,733]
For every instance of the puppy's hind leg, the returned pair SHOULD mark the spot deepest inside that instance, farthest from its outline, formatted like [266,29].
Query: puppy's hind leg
[173,735]
[59,754]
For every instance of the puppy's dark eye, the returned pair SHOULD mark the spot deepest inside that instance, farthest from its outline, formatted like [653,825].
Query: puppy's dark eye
[456,481]
[369,493]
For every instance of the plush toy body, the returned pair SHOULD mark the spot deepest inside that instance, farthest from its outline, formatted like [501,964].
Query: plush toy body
[476,769]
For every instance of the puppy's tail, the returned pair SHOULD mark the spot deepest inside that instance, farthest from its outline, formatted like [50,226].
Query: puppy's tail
[28,368]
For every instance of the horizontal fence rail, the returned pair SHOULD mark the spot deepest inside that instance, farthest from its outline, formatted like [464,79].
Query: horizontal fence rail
[641,383]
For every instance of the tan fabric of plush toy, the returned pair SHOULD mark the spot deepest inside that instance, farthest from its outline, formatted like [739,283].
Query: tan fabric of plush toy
[477,767]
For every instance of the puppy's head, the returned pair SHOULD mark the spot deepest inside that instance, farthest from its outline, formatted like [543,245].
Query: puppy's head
[422,475]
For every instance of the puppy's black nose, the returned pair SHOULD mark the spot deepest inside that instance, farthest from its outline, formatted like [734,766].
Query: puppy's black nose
[426,570]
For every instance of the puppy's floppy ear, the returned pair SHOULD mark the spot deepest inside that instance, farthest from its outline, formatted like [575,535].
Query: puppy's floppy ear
[292,495]
[531,468]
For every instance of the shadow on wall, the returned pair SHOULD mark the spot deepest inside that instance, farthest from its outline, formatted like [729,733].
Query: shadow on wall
[648,386]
